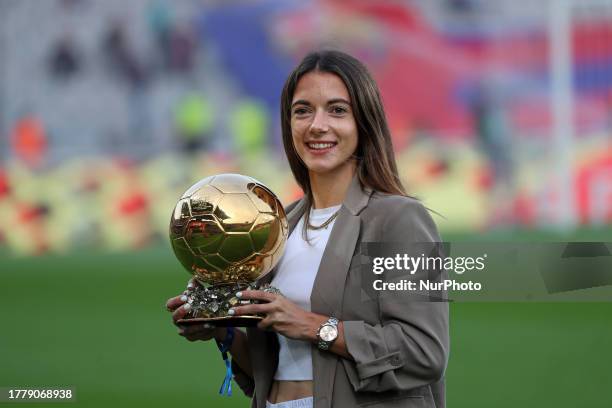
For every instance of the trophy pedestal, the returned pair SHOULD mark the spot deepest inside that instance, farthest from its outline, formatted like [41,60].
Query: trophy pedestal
[211,304]
[226,321]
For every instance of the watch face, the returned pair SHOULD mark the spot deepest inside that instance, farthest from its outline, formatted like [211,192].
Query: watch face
[328,333]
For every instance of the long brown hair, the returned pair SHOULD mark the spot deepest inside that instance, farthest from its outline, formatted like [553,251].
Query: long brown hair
[376,166]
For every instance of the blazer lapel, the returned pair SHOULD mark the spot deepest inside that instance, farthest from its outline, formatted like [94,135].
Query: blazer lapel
[295,214]
[328,290]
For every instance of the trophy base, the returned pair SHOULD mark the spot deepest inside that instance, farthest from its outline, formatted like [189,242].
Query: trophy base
[212,304]
[225,321]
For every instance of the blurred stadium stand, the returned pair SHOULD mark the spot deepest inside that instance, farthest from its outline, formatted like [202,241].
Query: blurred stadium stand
[109,110]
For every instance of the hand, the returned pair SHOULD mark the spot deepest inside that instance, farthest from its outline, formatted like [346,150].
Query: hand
[282,315]
[180,308]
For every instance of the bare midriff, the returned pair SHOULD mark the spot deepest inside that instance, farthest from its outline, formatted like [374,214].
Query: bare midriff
[282,391]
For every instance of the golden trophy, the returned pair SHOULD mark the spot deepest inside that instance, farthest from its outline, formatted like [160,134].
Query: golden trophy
[228,231]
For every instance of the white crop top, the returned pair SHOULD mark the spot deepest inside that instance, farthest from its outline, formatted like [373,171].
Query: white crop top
[295,277]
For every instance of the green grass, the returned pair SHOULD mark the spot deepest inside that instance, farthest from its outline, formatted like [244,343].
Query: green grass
[98,322]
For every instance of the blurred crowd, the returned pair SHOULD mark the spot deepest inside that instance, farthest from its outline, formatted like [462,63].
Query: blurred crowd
[110,110]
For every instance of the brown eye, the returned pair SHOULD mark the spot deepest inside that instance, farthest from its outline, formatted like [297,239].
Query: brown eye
[300,111]
[339,110]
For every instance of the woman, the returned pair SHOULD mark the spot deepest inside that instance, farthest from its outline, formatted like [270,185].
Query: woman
[329,340]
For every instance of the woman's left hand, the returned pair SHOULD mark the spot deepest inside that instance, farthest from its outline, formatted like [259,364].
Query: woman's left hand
[281,315]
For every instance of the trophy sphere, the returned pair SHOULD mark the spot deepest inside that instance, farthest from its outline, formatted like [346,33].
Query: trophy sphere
[228,229]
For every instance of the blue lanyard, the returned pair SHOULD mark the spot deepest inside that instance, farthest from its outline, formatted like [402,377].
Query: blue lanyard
[226,387]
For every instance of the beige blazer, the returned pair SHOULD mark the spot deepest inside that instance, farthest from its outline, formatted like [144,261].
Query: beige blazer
[400,346]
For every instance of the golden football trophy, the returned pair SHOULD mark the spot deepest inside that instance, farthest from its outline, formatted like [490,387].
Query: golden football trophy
[228,231]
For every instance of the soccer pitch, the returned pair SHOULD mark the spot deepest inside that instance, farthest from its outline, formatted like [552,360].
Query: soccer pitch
[97,322]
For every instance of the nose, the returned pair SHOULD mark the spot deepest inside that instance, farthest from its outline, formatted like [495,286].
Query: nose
[319,123]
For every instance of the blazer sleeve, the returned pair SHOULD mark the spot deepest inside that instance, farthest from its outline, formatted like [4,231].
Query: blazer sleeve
[409,346]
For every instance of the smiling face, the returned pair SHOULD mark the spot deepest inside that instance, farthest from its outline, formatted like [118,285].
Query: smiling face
[323,127]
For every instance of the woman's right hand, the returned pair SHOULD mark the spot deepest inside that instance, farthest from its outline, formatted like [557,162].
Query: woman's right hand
[179,308]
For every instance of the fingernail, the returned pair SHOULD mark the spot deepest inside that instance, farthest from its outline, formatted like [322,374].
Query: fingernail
[208,326]
[181,331]
[183,298]
[238,294]
[231,312]
[190,285]
[187,306]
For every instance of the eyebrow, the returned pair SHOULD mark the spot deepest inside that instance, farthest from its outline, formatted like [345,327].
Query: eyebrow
[330,102]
